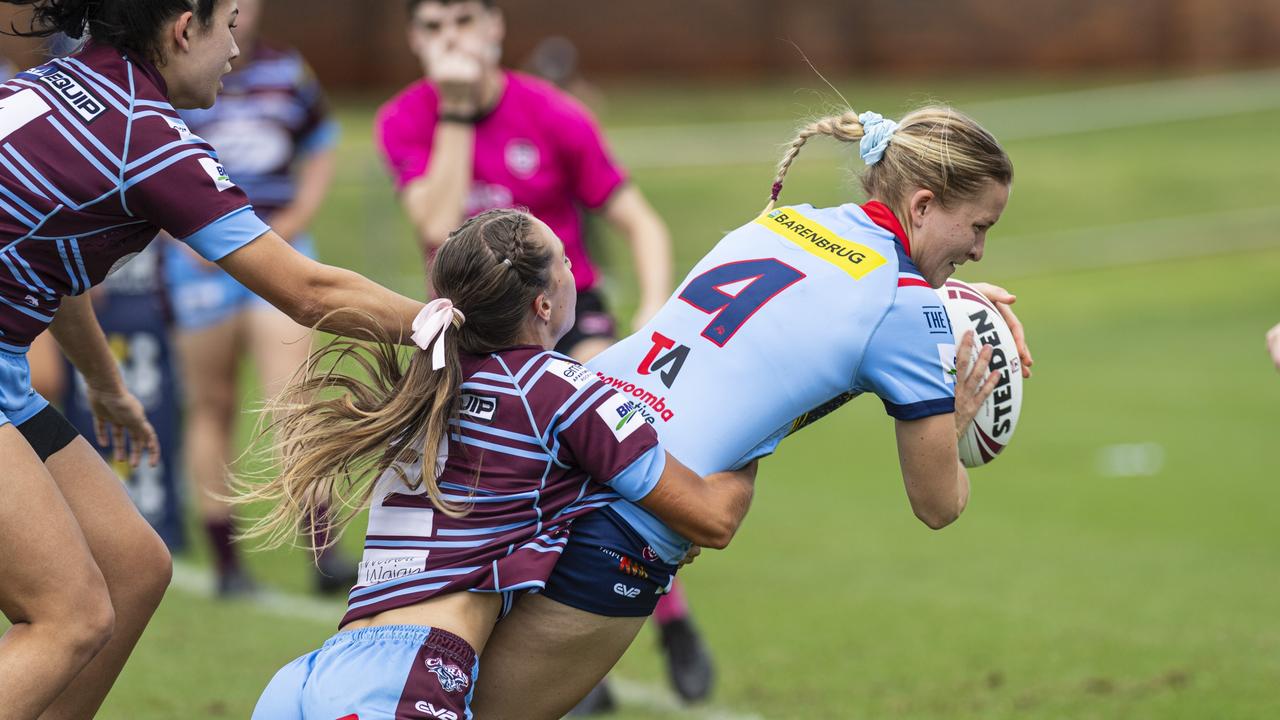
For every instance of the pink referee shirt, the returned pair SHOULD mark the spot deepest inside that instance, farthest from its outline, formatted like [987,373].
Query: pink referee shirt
[538,149]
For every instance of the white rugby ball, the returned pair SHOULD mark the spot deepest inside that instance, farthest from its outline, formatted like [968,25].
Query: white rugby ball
[996,420]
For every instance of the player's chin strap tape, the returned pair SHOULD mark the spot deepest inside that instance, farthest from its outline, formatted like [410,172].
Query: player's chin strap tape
[429,327]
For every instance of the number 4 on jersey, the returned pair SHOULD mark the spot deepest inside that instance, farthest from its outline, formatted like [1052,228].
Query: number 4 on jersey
[733,292]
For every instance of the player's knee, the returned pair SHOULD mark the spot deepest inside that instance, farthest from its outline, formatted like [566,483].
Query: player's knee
[85,618]
[152,567]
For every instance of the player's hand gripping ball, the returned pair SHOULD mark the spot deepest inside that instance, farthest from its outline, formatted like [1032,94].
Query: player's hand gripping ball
[996,420]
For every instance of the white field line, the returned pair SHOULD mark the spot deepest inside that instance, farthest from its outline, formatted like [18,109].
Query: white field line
[1025,118]
[194,580]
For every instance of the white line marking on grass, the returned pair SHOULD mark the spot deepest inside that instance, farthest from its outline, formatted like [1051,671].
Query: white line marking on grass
[1021,118]
[194,580]
[198,581]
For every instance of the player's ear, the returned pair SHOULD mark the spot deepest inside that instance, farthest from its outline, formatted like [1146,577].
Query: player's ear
[920,203]
[180,32]
[542,307]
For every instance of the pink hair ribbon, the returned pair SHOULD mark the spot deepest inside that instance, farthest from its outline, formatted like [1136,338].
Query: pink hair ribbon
[429,327]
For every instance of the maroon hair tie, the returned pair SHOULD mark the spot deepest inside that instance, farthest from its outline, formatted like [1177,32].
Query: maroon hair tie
[777,188]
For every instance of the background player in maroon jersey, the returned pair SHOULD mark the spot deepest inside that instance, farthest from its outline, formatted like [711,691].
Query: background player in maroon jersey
[96,162]
[520,442]
[273,133]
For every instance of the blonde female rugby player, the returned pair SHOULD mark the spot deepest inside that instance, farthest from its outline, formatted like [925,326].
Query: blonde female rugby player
[788,317]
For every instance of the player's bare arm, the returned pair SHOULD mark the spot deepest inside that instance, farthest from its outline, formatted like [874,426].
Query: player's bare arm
[120,421]
[307,291]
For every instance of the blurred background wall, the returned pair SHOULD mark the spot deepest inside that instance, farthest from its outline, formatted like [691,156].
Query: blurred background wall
[359,45]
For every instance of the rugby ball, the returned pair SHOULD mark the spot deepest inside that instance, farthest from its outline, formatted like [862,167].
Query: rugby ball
[993,426]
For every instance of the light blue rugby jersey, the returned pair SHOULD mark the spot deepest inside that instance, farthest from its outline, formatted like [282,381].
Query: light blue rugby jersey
[786,319]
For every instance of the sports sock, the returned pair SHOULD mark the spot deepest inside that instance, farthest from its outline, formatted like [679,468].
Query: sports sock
[221,531]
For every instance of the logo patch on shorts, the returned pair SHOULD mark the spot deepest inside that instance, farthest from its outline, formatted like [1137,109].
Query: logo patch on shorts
[452,678]
[626,591]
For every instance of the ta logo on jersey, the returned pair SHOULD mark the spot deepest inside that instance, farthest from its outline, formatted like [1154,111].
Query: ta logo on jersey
[665,358]
[88,107]
[622,416]
[217,173]
[936,320]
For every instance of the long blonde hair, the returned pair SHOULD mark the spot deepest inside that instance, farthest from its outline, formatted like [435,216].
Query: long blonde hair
[936,148]
[336,429]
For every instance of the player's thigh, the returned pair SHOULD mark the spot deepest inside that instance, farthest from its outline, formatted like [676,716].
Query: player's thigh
[46,568]
[546,656]
[124,546]
[279,346]
[207,358]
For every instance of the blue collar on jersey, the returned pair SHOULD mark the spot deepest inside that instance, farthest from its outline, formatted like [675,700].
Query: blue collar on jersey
[881,215]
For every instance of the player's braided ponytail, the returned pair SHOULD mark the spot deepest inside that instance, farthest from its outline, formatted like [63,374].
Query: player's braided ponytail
[844,127]
[936,148]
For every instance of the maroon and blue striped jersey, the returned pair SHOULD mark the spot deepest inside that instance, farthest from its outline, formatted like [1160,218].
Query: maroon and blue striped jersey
[540,440]
[94,161]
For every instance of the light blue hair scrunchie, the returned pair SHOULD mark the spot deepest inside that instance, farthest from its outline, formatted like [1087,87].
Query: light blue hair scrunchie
[876,134]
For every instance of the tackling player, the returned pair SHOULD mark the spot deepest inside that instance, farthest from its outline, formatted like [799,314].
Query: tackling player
[786,319]
[519,440]
[94,162]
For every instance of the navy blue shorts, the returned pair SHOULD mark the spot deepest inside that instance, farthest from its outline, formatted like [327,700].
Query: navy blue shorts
[607,569]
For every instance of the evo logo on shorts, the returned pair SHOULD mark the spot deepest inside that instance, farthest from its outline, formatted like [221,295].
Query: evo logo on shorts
[626,591]
[432,711]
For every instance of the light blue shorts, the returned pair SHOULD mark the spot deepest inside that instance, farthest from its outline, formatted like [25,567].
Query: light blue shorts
[204,296]
[18,402]
[391,671]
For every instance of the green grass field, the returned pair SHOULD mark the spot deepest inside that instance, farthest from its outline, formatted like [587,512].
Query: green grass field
[1146,261]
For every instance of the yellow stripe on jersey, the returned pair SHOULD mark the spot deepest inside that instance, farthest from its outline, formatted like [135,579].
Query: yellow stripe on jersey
[854,259]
